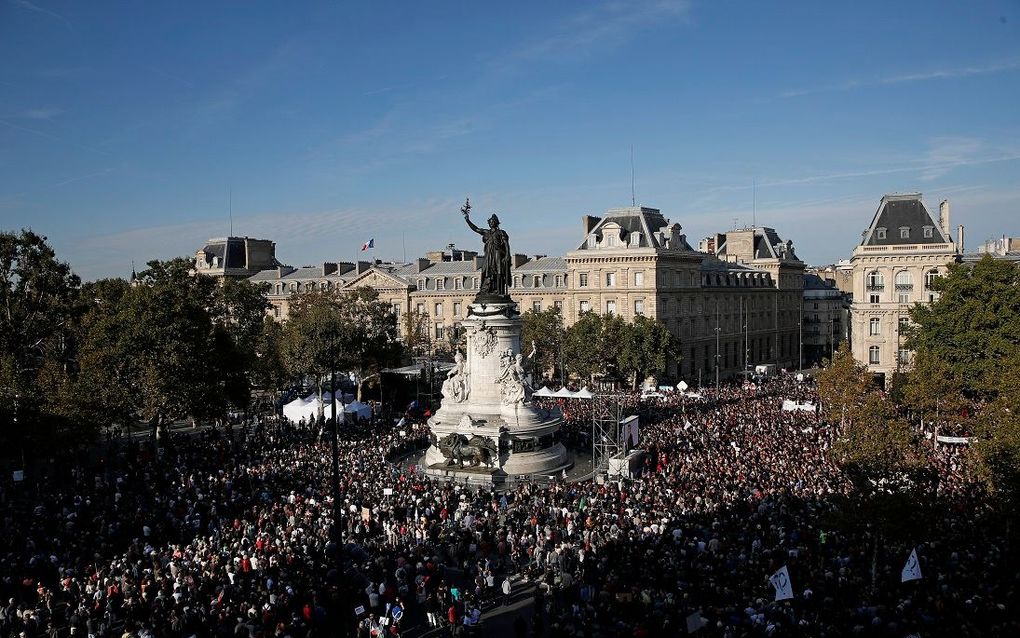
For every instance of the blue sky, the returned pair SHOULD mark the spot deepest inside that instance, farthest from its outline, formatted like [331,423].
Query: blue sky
[124,126]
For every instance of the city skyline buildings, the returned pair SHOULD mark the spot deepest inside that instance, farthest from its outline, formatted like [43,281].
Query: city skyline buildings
[128,132]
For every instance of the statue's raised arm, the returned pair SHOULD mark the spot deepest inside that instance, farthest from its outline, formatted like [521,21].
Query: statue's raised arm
[466,209]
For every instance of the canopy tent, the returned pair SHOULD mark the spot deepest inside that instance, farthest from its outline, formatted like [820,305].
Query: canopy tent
[358,410]
[544,392]
[308,408]
[563,393]
[584,393]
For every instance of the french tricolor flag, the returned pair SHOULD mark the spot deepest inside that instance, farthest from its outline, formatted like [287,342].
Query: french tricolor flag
[368,244]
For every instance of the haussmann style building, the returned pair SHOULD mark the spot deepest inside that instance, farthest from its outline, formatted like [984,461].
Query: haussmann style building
[733,304]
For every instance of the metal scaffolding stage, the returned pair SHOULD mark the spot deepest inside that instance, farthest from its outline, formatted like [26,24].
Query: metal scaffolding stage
[607,440]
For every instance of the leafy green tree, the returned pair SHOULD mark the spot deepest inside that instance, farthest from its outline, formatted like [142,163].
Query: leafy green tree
[544,329]
[878,447]
[843,386]
[170,347]
[583,346]
[39,305]
[972,326]
[350,331]
[648,346]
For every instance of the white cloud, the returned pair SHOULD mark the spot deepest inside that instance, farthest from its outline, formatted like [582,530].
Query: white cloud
[919,76]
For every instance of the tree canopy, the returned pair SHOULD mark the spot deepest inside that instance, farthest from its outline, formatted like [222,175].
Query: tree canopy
[973,326]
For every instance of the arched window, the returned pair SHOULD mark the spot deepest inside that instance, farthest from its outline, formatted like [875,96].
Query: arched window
[930,277]
[904,281]
[876,281]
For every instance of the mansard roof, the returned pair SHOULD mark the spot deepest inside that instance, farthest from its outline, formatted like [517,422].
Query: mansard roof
[903,211]
[654,229]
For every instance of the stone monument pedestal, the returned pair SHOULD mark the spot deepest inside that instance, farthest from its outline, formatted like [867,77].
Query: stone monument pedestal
[487,428]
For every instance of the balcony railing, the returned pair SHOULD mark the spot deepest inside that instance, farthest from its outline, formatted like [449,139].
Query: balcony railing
[876,287]
[904,286]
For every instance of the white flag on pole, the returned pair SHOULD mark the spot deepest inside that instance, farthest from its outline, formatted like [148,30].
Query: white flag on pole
[912,569]
[781,581]
[695,622]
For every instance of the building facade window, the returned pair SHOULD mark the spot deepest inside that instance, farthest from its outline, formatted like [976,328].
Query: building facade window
[536,281]
[903,356]
[930,277]
[610,279]
[456,309]
[904,232]
[585,306]
[929,232]
[439,310]
[875,327]
[903,297]
[396,311]
[639,306]
[880,233]
[559,281]
[582,280]
[873,355]
[904,281]
[639,278]
[558,305]
[536,305]
[439,331]
[610,307]
[441,283]
[903,323]
[875,280]
[420,309]
[873,299]
[458,283]
[517,281]
[474,283]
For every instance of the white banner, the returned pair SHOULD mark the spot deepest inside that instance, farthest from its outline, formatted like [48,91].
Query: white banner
[781,581]
[959,440]
[792,406]
[912,569]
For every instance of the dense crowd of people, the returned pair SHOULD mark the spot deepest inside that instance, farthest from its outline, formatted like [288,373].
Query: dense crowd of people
[228,532]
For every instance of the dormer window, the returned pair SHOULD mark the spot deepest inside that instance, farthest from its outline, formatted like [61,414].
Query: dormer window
[421,284]
[929,232]
[880,233]
[904,232]
[635,239]
[441,283]
[536,281]
[215,262]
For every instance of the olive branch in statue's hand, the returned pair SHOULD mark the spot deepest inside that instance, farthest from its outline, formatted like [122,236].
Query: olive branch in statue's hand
[466,208]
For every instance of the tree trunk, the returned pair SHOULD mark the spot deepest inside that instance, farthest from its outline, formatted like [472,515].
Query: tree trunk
[318,389]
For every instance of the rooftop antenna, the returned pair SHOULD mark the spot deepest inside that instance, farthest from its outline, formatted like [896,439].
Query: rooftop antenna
[633,199]
[403,246]
[754,203]
[230,208]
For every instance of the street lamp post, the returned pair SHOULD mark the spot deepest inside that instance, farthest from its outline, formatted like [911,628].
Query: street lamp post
[717,345]
[800,339]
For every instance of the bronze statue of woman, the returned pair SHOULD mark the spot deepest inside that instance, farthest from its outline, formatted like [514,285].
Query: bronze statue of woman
[496,269]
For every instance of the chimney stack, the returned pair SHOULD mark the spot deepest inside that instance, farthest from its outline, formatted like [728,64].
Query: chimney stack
[944,217]
[590,222]
[959,239]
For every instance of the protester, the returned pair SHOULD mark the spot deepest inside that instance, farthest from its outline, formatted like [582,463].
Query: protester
[229,533]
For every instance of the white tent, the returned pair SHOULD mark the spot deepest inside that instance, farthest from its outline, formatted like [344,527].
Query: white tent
[308,408]
[544,391]
[563,393]
[584,393]
[358,410]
